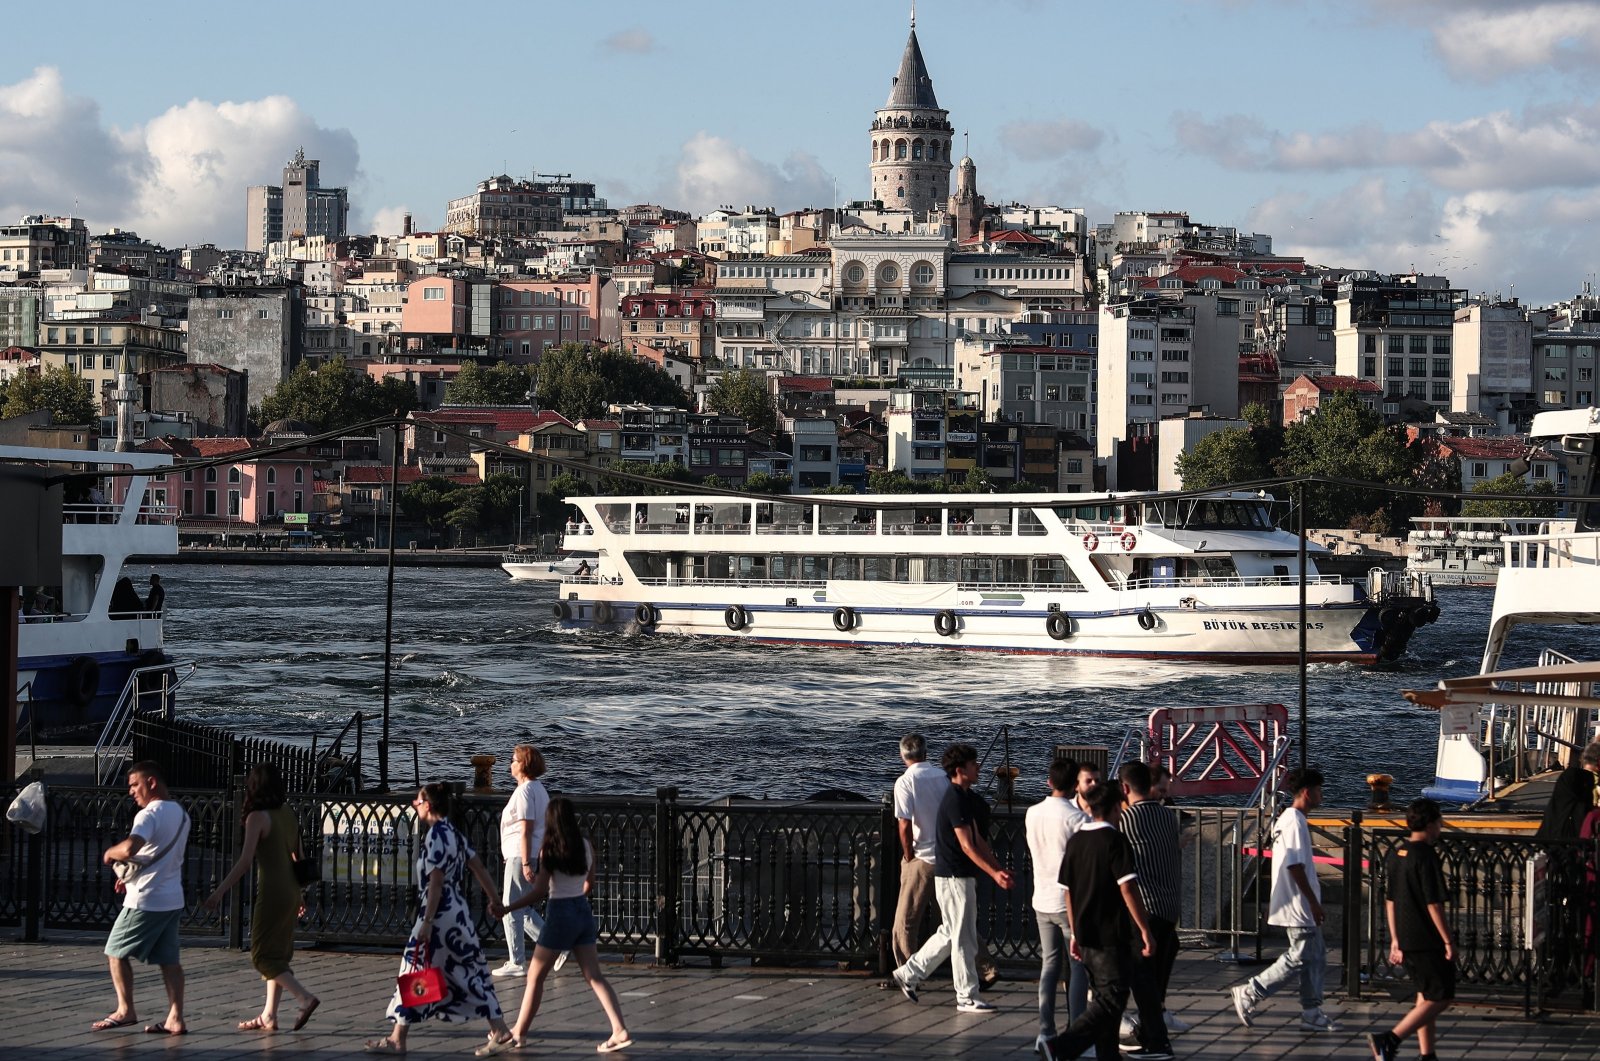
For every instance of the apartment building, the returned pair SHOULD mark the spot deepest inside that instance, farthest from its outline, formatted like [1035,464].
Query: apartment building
[1399,332]
[298,207]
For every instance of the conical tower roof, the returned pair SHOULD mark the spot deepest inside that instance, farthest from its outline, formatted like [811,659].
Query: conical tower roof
[912,87]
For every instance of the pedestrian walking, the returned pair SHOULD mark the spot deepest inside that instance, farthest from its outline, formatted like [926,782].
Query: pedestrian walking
[1103,911]
[1153,834]
[272,844]
[917,795]
[1419,936]
[566,875]
[521,835]
[152,899]
[961,851]
[1296,906]
[443,936]
[1049,825]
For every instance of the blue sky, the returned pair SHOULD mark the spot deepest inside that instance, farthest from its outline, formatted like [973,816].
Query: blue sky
[1455,136]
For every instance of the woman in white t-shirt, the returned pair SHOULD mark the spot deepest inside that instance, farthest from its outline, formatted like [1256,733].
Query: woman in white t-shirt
[566,874]
[521,834]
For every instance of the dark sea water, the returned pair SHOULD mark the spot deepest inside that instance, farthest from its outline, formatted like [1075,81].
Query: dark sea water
[289,651]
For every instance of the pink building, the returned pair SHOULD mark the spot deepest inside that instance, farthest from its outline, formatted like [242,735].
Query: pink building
[253,491]
[436,307]
[531,316]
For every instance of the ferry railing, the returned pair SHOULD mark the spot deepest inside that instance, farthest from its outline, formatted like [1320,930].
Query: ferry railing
[1228,581]
[119,725]
[1551,550]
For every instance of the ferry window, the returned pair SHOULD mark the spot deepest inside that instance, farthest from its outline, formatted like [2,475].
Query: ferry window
[647,565]
[994,520]
[977,569]
[1028,523]
[844,567]
[613,516]
[899,520]
[717,566]
[789,518]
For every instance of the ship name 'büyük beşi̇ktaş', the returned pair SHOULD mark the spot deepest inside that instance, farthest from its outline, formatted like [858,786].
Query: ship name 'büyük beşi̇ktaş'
[1208,578]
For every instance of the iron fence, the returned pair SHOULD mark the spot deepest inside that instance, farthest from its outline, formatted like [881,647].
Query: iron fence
[205,757]
[760,880]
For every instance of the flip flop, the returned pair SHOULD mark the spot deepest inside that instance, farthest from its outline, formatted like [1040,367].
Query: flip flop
[305,1014]
[611,1046]
[258,1024]
[113,1021]
[497,1046]
[162,1029]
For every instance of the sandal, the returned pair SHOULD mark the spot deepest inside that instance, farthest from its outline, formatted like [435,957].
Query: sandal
[113,1021]
[383,1046]
[497,1046]
[258,1024]
[305,1014]
[611,1046]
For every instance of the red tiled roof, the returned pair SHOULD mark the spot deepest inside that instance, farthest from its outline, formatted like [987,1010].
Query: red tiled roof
[364,474]
[1341,383]
[814,384]
[1005,235]
[1493,448]
[196,448]
[599,425]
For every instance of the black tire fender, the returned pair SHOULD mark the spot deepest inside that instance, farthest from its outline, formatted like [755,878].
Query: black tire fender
[945,623]
[1147,619]
[646,615]
[83,680]
[1058,625]
[844,619]
[736,617]
[561,610]
[602,612]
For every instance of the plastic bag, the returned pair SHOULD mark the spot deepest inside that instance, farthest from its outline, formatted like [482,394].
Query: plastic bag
[27,810]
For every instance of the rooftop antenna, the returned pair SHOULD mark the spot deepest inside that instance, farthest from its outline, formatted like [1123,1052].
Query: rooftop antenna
[913,14]
[966,143]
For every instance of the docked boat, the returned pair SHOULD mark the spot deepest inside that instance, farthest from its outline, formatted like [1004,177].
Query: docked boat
[1466,550]
[79,642]
[1126,575]
[1507,724]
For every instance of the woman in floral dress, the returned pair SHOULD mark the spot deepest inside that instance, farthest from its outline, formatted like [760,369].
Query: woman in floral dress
[444,931]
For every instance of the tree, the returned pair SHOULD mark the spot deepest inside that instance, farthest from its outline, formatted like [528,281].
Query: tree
[1512,483]
[501,384]
[1223,457]
[898,482]
[763,483]
[431,502]
[744,394]
[1345,439]
[550,504]
[579,381]
[335,395]
[673,472]
[67,396]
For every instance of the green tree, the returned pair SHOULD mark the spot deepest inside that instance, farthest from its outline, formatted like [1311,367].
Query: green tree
[551,505]
[744,394]
[1221,458]
[501,384]
[579,381]
[1345,439]
[336,395]
[673,472]
[1539,496]
[763,483]
[431,502]
[67,396]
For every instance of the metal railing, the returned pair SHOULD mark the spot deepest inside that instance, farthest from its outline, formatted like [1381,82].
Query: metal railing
[200,756]
[133,700]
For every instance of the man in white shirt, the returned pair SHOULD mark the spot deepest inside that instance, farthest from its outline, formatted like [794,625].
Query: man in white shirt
[1049,824]
[1296,906]
[152,905]
[917,794]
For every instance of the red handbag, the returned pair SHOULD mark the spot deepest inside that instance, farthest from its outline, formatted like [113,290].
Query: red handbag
[423,987]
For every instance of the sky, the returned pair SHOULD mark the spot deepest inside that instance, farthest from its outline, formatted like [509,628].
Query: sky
[1453,137]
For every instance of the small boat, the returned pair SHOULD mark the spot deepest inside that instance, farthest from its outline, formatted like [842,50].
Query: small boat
[1506,725]
[547,567]
[79,642]
[1466,550]
[1124,575]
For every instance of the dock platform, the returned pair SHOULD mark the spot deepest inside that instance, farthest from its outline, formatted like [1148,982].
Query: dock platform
[50,992]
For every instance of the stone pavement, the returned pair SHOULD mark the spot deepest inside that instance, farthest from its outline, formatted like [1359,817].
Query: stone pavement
[50,992]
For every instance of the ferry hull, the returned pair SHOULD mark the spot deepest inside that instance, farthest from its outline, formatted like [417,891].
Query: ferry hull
[73,696]
[1350,633]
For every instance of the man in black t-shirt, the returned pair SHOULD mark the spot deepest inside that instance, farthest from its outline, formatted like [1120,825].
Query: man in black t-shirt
[1103,906]
[960,851]
[1418,933]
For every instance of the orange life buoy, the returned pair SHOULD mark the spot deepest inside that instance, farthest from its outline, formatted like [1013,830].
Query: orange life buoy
[1128,541]
[1091,541]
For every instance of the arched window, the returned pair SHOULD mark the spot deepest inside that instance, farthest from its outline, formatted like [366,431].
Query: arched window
[272,475]
[233,474]
[211,475]
[901,192]
[916,149]
[922,274]
[883,151]
[899,149]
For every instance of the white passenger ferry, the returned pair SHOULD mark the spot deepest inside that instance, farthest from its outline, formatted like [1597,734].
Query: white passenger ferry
[1207,578]
[78,643]
[1505,725]
[1466,550]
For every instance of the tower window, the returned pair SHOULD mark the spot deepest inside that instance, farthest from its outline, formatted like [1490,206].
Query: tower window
[916,150]
[901,192]
[899,149]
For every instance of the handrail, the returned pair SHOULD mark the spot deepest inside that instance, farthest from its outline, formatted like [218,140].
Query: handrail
[1268,784]
[1130,735]
[120,722]
[33,725]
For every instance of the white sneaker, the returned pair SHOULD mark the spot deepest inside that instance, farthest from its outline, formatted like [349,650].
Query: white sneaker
[1175,1024]
[510,969]
[1314,1020]
[561,959]
[1243,1006]
[1129,1029]
[976,1005]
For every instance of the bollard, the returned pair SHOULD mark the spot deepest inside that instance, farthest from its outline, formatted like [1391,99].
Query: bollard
[1379,783]
[483,773]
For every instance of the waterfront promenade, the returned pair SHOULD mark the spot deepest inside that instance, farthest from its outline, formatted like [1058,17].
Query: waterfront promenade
[50,992]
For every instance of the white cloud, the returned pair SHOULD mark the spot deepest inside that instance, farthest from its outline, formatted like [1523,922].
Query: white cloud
[1049,141]
[712,171]
[633,41]
[1542,147]
[389,220]
[1483,40]
[178,178]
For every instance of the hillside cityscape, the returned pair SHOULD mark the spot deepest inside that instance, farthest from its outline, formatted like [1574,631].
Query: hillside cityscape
[923,337]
